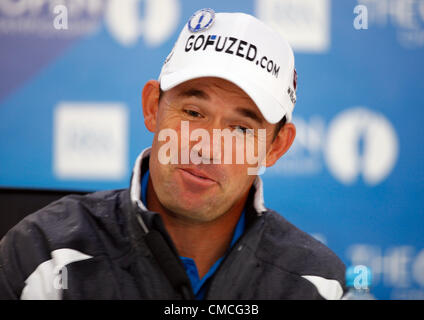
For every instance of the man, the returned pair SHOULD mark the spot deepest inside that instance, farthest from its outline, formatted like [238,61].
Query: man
[193,223]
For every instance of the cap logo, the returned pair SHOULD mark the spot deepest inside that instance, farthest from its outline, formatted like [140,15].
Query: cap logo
[201,20]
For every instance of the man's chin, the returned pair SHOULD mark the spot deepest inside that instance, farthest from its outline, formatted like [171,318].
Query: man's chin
[194,215]
[197,219]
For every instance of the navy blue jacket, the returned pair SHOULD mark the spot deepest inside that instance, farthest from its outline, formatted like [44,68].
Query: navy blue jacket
[95,247]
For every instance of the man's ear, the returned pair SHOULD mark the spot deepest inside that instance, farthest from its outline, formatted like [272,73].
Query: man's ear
[281,143]
[150,104]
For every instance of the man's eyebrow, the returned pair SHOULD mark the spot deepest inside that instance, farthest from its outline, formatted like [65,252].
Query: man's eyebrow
[203,95]
[249,114]
[194,93]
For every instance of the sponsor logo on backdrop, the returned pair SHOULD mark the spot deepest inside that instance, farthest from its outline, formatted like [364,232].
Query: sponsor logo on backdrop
[90,141]
[126,20]
[304,23]
[398,267]
[356,143]
[304,158]
[126,23]
[406,16]
[361,142]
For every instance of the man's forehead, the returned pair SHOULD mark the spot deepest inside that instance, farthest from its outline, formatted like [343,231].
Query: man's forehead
[204,88]
[208,85]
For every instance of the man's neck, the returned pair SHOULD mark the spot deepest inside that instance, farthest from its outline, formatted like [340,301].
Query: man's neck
[205,242]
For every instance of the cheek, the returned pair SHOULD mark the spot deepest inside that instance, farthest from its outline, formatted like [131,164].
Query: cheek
[169,120]
[162,178]
[236,177]
[166,137]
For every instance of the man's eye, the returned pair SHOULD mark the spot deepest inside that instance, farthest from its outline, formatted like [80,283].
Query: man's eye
[241,129]
[192,113]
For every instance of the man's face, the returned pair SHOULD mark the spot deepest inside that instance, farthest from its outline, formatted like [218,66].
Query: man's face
[203,192]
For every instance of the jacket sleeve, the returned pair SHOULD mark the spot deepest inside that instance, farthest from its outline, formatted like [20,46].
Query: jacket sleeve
[9,287]
[12,275]
[36,253]
[24,251]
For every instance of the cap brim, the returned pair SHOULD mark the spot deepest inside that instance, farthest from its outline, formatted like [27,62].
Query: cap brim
[272,110]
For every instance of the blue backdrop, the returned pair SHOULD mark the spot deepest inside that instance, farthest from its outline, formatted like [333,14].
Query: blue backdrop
[70,113]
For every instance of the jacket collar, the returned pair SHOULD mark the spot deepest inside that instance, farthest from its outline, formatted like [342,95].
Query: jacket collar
[142,162]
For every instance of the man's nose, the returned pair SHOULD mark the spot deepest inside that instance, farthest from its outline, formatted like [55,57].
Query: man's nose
[204,144]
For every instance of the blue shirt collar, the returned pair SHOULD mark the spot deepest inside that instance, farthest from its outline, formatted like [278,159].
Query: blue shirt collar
[198,285]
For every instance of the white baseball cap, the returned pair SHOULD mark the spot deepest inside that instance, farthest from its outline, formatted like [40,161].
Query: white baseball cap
[239,48]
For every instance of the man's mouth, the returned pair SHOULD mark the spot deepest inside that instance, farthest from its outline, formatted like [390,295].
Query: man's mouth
[198,173]
[196,177]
